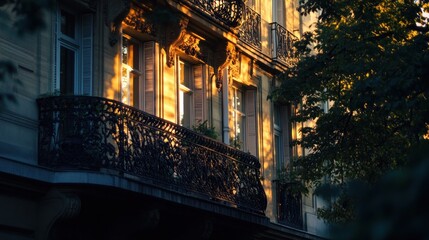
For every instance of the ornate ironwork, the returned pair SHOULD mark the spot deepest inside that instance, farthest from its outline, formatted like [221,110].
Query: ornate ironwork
[228,12]
[82,132]
[283,44]
[289,207]
[250,30]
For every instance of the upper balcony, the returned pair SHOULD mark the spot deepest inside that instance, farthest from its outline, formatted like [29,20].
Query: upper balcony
[228,12]
[279,42]
[96,134]
[250,30]
[283,49]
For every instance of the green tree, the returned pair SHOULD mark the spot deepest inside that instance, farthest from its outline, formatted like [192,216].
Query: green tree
[370,60]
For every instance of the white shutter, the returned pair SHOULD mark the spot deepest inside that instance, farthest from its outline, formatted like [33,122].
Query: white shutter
[251,122]
[87,54]
[149,77]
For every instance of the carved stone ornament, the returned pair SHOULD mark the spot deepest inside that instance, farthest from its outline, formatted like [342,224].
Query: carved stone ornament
[190,45]
[175,36]
[227,54]
[135,19]
[54,207]
[234,67]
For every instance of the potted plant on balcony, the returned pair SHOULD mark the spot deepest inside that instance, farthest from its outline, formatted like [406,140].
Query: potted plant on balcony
[202,128]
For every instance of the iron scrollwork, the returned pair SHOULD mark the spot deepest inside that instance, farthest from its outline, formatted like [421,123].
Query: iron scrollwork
[229,12]
[289,205]
[82,132]
[250,30]
[284,48]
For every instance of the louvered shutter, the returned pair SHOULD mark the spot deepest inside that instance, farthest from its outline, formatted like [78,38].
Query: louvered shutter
[251,122]
[87,53]
[198,93]
[149,77]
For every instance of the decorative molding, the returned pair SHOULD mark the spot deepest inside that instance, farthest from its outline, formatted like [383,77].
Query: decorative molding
[227,55]
[175,36]
[234,67]
[189,44]
[135,19]
[56,206]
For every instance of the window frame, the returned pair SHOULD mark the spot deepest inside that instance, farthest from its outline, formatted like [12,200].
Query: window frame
[185,107]
[134,72]
[69,43]
[81,45]
[239,138]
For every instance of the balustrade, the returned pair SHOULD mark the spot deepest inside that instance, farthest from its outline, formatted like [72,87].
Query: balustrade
[250,30]
[92,133]
[228,12]
[283,44]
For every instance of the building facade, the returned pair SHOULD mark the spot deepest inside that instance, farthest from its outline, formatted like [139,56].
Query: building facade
[150,119]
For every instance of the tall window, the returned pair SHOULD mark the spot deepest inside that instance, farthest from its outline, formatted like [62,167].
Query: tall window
[238,117]
[278,139]
[243,118]
[185,93]
[130,82]
[138,74]
[289,209]
[73,53]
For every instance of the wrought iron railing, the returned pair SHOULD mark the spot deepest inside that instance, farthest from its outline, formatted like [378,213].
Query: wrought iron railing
[283,44]
[289,205]
[228,12]
[92,133]
[250,30]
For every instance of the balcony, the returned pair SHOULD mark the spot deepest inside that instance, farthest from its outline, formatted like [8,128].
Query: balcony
[96,134]
[289,207]
[250,30]
[283,48]
[228,12]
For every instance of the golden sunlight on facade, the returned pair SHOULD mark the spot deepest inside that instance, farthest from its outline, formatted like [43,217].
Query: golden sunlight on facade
[154,112]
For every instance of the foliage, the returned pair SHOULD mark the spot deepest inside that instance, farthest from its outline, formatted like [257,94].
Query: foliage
[204,129]
[27,17]
[235,142]
[28,14]
[287,177]
[370,60]
[396,207]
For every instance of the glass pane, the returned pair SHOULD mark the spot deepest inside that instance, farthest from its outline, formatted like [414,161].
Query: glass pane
[238,100]
[184,108]
[68,21]
[67,71]
[185,74]
[125,50]
[130,53]
[130,84]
